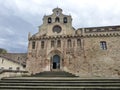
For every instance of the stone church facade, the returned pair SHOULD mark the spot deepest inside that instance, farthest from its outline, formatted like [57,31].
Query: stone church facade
[85,52]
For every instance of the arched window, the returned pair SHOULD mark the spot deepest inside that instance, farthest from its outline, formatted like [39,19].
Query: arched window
[52,43]
[58,43]
[49,20]
[57,19]
[33,45]
[69,44]
[65,19]
[103,45]
[78,42]
[42,44]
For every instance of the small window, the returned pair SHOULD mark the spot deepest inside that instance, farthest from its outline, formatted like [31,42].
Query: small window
[42,44]
[58,43]
[49,20]
[18,68]
[69,44]
[33,45]
[57,19]
[73,43]
[57,13]
[24,66]
[52,43]
[10,68]
[78,42]
[103,45]
[65,19]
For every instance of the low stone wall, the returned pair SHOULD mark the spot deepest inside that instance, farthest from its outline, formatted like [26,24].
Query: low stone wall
[11,73]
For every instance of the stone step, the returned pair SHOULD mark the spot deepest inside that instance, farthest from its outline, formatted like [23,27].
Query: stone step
[59,80]
[59,83]
[54,79]
[58,88]
[54,74]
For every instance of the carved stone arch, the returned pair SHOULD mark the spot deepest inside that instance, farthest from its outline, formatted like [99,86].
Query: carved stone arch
[55,65]
[53,52]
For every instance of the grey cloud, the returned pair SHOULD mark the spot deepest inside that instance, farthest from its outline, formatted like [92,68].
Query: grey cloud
[14,31]
[18,17]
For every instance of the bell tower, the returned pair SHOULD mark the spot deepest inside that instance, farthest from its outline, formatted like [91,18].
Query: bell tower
[56,24]
[57,11]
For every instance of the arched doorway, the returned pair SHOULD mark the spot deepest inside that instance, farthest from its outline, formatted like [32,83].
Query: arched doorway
[56,62]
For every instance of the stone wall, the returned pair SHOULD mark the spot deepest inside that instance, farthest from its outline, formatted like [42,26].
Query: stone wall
[85,59]
[104,63]
[13,73]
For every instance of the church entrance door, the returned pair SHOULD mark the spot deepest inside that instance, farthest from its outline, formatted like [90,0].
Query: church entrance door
[56,62]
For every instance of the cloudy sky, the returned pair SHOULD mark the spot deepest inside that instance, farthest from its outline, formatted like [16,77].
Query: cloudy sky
[19,17]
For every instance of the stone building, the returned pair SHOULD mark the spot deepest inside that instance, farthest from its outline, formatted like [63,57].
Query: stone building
[13,65]
[13,61]
[86,52]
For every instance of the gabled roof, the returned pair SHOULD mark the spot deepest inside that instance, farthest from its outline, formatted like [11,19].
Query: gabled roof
[12,59]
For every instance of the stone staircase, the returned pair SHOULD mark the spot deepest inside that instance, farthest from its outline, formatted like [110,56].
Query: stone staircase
[54,74]
[42,81]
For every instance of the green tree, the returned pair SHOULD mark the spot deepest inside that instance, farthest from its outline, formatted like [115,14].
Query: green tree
[2,51]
